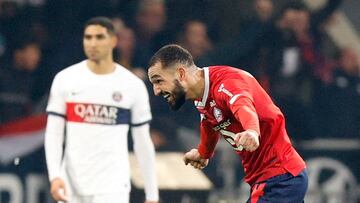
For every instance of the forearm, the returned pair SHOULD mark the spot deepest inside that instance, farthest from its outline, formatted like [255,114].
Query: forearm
[145,154]
[54,139]
[245,112]
[208,141]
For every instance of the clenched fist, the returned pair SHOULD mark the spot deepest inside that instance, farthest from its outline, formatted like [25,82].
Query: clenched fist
[248,139]
[58,190]
[193,157]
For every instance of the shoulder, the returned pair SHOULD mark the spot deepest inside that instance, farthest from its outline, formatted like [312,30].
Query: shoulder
[228,81]
[128,76]
[227,75]
[228,72]
[71,71]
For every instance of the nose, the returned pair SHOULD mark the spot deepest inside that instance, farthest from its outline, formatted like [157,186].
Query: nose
[92,42]
[157,90]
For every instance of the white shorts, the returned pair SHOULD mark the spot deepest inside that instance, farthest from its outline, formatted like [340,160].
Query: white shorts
[122,197]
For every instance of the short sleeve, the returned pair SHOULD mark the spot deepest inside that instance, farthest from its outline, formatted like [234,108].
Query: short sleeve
[140,111]
[56,103]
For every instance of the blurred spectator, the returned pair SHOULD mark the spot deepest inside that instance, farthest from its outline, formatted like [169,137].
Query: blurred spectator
[264,9]
[303,35]
[150,19]
[125,48]
[150,31]
[303,65]
[341,99]
[253,48]
[194,37]
[261,60]
[18,81]
[118,23]
[125,45]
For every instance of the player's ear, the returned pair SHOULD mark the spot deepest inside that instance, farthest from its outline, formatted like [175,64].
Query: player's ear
[181,73]
[114,40]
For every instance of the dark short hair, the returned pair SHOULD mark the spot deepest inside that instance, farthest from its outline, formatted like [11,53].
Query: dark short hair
[103,22]
[171,54]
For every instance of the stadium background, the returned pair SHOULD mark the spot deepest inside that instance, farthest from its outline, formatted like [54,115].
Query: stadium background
[312,74]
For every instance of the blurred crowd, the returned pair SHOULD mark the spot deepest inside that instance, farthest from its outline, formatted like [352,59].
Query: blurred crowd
[282,43]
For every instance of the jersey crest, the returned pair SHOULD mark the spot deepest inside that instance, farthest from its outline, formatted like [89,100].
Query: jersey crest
[218,114]
[117,96]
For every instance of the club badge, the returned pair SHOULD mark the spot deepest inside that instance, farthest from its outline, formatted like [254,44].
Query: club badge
[218,114]
[117,96]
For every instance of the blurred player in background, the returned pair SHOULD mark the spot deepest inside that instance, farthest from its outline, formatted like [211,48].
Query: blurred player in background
[233,104]
[91,107]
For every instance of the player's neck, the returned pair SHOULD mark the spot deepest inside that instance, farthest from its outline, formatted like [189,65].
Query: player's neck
[198,87]
[101,67]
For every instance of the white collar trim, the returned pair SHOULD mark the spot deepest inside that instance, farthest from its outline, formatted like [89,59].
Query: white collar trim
[206,90]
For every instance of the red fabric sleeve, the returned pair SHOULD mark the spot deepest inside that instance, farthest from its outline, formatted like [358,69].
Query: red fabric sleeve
[240,101]
[208,140]
[245,112]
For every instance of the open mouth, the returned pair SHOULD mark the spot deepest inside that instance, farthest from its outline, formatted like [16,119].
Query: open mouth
[166,96]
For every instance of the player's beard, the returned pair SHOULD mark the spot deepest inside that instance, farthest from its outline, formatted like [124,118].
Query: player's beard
[179,96]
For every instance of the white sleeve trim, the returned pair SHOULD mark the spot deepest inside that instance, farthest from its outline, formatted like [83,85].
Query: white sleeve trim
[145,154]
[233,99]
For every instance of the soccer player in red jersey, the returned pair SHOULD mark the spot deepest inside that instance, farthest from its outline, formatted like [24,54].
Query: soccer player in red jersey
[233,105]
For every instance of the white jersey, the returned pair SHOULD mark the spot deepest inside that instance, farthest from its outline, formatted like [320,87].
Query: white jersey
[98,110]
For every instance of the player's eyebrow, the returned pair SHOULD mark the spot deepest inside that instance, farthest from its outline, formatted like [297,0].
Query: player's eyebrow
[155,77]
[95,35]
[100,35]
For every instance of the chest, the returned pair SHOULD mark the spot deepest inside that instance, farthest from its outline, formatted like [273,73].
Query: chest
[219,116]
[99,101]
[221,120]
[100,92]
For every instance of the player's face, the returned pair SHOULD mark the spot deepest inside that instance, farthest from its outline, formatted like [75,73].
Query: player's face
[98,43]
[165,84]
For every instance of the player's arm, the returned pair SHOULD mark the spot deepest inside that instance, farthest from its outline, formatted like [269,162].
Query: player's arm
[143,145]
[199,158]
[208,140]
[54,140]
[145,154]
[239,100]
[244,111]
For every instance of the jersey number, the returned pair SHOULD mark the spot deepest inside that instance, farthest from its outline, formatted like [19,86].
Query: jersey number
[230,138]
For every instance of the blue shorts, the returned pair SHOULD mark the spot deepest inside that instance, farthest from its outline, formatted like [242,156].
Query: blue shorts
[284,188]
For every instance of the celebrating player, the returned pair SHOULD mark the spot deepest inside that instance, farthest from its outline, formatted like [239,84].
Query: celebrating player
[233,105]
[91,107]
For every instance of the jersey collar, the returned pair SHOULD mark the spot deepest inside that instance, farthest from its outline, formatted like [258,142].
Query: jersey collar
[202,103]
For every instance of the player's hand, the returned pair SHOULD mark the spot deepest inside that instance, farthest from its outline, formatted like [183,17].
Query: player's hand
[248,139]
[58,190]
[193,158]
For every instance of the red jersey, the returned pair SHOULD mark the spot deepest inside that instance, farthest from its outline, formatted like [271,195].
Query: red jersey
[234,101]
